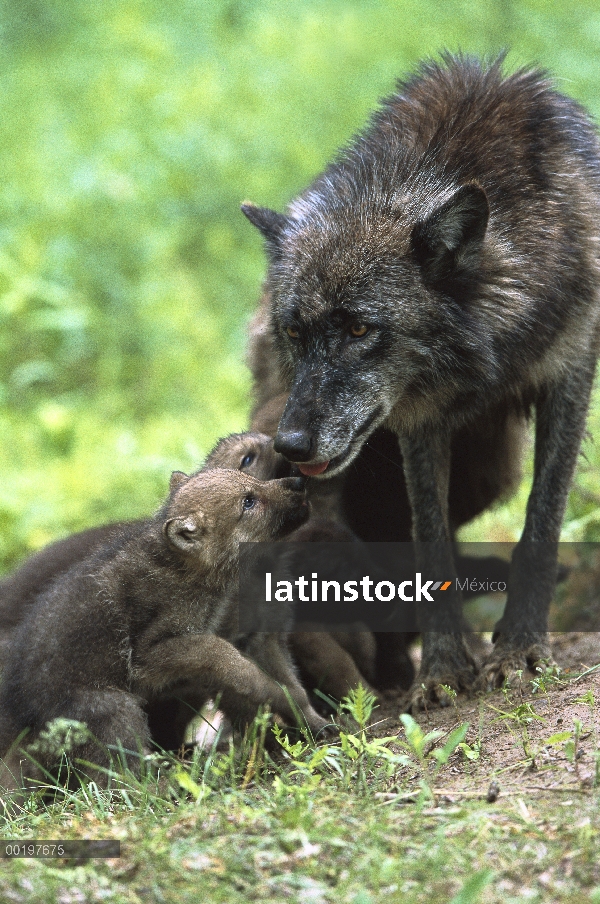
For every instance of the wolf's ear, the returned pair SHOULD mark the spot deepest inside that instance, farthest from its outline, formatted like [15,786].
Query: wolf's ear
[270,223]
[444,242]
[178,478]
[184,534]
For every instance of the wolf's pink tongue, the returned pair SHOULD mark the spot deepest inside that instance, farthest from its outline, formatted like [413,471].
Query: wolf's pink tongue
[312,470]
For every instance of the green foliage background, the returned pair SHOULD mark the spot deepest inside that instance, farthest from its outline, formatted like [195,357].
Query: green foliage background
[131,131]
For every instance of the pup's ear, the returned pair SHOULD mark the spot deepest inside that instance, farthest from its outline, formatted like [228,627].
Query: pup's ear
[270,223]
[184,534]
[178,478]
[444,241]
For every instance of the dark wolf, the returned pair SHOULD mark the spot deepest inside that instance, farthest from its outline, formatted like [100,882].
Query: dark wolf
[152,615]
[440,279]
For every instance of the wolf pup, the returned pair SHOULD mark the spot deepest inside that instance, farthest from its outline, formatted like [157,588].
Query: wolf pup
[148,618]
[323,659]
[442,274]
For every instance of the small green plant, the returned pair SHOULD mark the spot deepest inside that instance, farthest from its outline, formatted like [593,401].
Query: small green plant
[548,676]
[521,715]
[363,760]
[572,745]
[588,699]
[60,736]
[470,752]
[358,761]
[243,762]
[307,766]
[360,704]
[427,758]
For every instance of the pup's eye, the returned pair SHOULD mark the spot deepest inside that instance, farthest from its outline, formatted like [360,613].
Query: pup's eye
[249,502]
[247,460]
[358,330]
[293,334]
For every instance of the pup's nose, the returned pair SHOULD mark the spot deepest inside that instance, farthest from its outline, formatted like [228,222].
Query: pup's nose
[295,446]
[297,484]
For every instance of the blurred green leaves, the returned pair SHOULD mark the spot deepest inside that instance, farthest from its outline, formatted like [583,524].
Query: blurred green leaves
[131,131]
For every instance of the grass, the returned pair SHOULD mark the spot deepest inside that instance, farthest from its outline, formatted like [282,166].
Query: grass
[332,847]
[404,817]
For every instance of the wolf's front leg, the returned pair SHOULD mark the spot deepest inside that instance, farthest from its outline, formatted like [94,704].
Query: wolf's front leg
[445,658]
[521,635]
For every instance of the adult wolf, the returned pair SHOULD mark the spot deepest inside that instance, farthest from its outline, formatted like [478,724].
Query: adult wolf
[442,276]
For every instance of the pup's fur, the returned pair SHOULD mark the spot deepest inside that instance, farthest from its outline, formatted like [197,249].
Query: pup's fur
[151,615]
[440,279]
[333,662]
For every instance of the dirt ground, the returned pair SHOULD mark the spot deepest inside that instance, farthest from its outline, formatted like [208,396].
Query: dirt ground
[527,739]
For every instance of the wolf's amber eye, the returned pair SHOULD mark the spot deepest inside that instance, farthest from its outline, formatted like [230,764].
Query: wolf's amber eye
[358,330]
[293,334]
[249,502]
[247,460]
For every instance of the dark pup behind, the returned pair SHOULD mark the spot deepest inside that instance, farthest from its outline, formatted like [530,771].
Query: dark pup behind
[150,615]
[441,276]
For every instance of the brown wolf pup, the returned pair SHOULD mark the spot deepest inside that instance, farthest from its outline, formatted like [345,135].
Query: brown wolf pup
[334,663]
[151,615]
[441,279]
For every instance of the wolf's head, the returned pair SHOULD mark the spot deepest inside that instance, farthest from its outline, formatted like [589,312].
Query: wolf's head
[369,313]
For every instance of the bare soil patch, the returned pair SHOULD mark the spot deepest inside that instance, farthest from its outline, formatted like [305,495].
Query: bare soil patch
[537,737]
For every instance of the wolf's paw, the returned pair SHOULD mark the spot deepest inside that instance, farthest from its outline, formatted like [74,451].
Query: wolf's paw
[431,687]
[509,664]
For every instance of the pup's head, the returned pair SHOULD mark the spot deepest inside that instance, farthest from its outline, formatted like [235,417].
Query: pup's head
[210,513]
[251,453]
[369,313]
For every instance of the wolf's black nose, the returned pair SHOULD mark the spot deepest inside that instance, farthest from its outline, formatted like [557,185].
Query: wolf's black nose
[295,446]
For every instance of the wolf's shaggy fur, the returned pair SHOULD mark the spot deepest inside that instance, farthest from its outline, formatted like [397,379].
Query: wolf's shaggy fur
[440,279]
